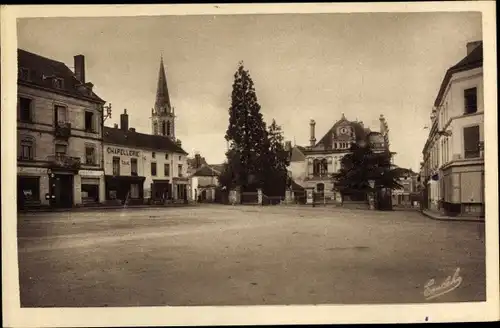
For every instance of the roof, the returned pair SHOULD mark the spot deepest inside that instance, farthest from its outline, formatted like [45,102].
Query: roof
[162,102]
[295,186]
[206,171]
[217,167]
[40,67]
[473,60]
[297,154]
[134,139]
[359,130]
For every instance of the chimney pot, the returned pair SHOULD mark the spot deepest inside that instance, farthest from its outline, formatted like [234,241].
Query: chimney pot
[79,61]
[115,126]
[131,129]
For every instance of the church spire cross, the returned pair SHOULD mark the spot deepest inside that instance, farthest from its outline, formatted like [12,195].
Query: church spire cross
[162,103]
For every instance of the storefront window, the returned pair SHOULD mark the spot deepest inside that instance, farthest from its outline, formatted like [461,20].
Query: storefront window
[29,188]
[134,191]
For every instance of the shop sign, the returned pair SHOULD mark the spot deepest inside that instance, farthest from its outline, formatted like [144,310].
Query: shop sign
[121,151]
[90,173]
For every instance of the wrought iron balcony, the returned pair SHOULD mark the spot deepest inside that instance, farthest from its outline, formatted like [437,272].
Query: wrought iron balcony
[64,162]
[62,130]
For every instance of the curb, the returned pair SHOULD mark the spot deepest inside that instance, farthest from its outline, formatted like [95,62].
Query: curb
[452,219]
[97,208]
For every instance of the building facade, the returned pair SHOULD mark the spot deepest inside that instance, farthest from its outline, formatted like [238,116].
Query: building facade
[146,168]
[142,168]
[59,134]
[315,166]
[453,166]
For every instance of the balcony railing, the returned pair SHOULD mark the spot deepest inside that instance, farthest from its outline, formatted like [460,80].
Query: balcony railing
[62,130]
[64,162]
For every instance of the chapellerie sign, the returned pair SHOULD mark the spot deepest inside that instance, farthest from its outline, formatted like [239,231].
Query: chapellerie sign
[124,152]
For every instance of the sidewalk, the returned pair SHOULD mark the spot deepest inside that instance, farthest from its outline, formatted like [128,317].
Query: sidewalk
[102,207]
[441,217]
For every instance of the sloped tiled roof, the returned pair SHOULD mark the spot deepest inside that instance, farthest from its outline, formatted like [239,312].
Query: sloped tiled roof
[327,139]
[129,138]
[206,171]
[297,154]
[473,60]
[218,167]
[40,67]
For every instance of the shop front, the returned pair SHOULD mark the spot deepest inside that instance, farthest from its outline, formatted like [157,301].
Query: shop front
[92,187]
[180,188]
[125,189]
[161,190]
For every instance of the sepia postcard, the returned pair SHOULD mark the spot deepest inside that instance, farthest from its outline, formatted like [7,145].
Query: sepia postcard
[244,164]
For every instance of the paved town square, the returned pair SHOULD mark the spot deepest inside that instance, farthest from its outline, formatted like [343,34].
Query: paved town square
[245,255]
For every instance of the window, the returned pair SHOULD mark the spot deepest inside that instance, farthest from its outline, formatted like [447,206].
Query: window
[90,155]
[116,165]
[61,149]
[471,142]
[166,169]
[134,191]
[25,109]
[153,154]
[320,167]
[153,169]
[60,114]
[470,96]
[163,128]
[58,83]
[29,188]
[133,166]
[27,149]
[168,128]
[23,74]
[179,170]
[166,156]
[89,121]
[180,158]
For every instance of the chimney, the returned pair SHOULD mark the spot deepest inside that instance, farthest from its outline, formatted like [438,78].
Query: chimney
[288,146]
[472,45]
[178,143]
[124,120]
[197,160]
[80,68]
[312,124]
[382,124]
[115,126]
[131,129]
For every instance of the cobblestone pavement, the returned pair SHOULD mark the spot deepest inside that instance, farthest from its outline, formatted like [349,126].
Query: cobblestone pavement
[243,255]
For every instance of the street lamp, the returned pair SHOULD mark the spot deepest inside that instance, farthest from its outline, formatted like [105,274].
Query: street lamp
[108,112]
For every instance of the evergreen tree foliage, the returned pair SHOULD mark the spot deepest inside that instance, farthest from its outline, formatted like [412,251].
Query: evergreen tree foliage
[362,165]
[276,177]
[246,134]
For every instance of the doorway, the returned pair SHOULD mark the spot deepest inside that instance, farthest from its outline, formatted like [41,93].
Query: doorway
[62,185]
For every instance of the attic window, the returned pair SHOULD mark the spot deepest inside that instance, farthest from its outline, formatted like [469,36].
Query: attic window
[24,74]
[58,83]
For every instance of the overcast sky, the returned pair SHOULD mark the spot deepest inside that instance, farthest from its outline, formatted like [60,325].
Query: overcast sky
[304,66]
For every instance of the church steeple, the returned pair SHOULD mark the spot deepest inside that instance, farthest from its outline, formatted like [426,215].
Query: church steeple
[162,103]
[163,116]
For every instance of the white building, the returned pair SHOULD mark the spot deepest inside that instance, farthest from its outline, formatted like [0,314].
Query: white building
[315,166]
[453,154]
[141,167]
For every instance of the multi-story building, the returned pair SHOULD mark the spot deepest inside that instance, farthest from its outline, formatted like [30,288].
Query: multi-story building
[143,167]
[59,134]
[453,169]
[314,166]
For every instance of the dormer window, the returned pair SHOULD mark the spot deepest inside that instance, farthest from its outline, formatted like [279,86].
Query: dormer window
[24,74]
[58,83]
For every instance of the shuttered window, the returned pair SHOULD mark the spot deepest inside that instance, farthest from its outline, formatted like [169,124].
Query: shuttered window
[471,141]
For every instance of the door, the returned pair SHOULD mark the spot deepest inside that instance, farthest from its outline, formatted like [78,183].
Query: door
[63,190]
